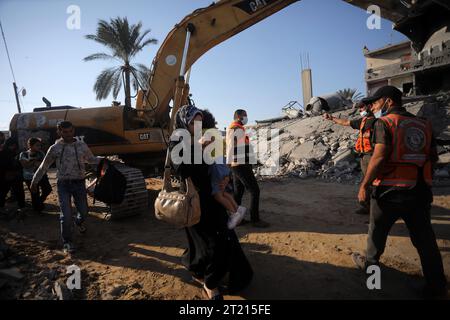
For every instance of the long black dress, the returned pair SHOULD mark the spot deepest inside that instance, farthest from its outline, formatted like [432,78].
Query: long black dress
[213,250]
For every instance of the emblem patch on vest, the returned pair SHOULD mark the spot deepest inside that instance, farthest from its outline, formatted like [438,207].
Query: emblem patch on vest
[415,139]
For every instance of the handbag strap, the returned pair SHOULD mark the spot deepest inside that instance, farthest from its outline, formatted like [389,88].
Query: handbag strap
[167,172]
[167,184]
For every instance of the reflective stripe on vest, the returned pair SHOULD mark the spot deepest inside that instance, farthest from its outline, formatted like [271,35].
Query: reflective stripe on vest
[411,146]
[364,144]
[242,140]
[238,125]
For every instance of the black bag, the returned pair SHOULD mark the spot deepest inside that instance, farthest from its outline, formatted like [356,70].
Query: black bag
[111,184]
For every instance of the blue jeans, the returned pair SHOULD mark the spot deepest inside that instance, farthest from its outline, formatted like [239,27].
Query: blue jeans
[66,190]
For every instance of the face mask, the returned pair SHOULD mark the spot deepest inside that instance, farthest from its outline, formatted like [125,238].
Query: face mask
[244,120]
[381,112]
[364,114]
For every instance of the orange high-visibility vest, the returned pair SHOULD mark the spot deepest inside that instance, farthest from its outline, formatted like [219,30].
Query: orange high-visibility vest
[242,140]
[364,144]
[238,125]
[411,145]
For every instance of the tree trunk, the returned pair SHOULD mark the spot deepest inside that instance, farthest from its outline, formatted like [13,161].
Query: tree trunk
[127,86]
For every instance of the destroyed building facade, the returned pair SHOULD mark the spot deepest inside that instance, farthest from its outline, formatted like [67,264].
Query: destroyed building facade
[399,65]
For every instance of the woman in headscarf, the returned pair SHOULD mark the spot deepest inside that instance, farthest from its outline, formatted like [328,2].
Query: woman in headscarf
[213,249]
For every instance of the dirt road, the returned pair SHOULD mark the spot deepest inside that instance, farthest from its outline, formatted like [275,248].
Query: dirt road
[305,254]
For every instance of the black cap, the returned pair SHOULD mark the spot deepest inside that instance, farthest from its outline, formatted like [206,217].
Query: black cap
[385,92]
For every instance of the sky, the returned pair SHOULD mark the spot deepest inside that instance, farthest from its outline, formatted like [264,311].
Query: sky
[257,70]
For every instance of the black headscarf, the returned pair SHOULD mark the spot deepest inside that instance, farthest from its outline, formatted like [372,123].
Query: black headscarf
[185,116]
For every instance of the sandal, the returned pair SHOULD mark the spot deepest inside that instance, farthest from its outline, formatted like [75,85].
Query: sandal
[217,296]
[199,281]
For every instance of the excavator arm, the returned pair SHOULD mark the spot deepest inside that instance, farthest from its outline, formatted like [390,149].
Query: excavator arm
[204,29]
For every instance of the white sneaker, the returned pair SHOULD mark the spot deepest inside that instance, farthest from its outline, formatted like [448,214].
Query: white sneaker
[243,211]
[232,221]
[236,218]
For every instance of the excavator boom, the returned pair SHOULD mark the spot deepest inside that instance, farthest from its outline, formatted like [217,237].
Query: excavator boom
[208,27]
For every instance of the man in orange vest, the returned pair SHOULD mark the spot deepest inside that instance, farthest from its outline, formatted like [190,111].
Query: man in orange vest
[401,172]
[363,146]
[240,156]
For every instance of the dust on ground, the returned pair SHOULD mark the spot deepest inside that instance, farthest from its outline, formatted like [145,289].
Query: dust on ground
[305,254]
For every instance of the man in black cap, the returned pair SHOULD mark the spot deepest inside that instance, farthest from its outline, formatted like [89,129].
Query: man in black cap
[401,171]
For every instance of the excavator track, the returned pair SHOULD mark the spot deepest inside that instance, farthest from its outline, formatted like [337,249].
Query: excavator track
[136,197]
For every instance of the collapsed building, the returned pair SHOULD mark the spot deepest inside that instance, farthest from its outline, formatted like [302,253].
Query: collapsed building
[311,146]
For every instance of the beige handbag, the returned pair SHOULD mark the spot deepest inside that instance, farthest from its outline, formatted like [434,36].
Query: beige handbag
[175,206]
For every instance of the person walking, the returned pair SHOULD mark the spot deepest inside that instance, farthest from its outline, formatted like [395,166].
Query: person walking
[70,156]
[401,172]
[239,156]
[30,161]
[213,249]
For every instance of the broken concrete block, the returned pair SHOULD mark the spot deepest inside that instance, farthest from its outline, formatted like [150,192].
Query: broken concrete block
[345,155]
[287,147]
[319,153]
[335,146]
[302,150]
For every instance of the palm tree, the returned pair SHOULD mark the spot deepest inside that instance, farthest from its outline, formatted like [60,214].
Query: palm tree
[350,95]
[124,41]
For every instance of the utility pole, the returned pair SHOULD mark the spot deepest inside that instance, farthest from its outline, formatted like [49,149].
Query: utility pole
[16,94]
[17,97]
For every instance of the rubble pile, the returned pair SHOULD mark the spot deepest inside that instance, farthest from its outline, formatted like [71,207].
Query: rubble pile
[437,109]
[313,147]
[16,282]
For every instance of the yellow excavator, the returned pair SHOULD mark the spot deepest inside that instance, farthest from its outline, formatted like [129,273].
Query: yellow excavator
[139,135]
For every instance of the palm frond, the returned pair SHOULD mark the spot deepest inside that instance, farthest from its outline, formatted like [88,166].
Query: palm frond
[99,56]
[140,74]
[350,94]
[105,82]
[117,83]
